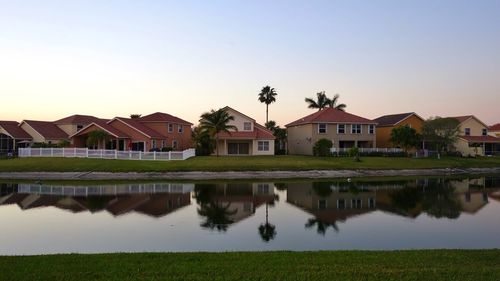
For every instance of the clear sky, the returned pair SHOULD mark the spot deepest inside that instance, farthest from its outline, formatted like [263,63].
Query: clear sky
[113,58]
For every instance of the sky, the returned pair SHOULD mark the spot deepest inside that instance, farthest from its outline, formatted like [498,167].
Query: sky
[113,58]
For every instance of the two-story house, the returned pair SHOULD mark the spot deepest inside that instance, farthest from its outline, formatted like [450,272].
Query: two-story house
[250,138]
[473,138]
[345,130]
[386,123]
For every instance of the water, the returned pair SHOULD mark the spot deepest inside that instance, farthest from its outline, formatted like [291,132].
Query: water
[423,213]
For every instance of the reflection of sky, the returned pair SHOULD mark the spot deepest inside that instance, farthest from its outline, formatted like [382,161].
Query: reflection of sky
[51,230]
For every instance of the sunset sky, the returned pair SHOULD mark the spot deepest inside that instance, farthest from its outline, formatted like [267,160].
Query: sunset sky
[114,58]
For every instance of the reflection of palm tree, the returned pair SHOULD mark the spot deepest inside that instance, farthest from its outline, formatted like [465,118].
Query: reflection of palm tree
[267,231]
[217,215]
[321,226]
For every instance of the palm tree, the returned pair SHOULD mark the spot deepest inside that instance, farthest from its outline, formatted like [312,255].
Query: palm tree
[215,122]
[321,226]
[135,116]
[322,101]
[95,138]
[267,231]
[333,103]
[267,96]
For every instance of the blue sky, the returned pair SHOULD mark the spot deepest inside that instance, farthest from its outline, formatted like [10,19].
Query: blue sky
[113,58]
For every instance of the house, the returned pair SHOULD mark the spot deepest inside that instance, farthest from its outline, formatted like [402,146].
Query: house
[12,137]
[75,123]
[494,130]
[386,123]
[152,132]
[345,130]
[44,131]
[250,138]
[473,138]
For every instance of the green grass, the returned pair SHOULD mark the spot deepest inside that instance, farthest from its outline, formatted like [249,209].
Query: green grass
[332,265]
[254,163]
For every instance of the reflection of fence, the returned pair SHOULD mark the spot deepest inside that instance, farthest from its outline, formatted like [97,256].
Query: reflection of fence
[117,189]
[105,154]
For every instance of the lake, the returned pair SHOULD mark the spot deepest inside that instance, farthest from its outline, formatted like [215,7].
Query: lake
[361,214]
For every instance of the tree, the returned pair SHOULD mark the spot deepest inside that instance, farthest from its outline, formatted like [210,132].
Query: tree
[441,132]
[135,116]
[95,138]
[405,137]
[321,226]
[280,135]
[322,147]
[267,95]
[205,145]
[267,230]
[215,122]
[218,215]
[322,101]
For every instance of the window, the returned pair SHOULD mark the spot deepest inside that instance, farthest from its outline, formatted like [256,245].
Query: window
[371,203]
[485,132]
[356,129]
[371,129]
[356,203]
[153,144]
[341,129]
[79,127]
[179,129]
[163,143]
[322,204]
[247,126]
[322,128]
[341,204]
[467,131]
[170,128]
[263,188]
[263,146]
[174,144]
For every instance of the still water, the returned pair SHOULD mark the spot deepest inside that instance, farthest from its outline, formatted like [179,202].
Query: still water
[422,213]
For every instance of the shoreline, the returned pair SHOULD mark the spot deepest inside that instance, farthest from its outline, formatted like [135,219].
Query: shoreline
[242,175]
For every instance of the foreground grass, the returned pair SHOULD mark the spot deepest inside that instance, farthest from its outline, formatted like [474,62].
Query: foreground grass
[253,163]
[338,265]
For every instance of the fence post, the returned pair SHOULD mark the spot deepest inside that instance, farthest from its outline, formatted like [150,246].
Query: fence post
[51,151]
[87,152]
[169,155]
[74,150]
[129,155]
[154,155]
[116,154]
[100,153]
[63,152]
[140,155]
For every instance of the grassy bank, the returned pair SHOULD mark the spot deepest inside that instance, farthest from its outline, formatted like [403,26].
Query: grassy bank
[257,163]
[339,265]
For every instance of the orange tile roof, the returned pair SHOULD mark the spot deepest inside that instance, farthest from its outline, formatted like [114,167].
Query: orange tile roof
[77,119]
[138,126]
[495,127]
[331,115]
[488,139]
[163,117]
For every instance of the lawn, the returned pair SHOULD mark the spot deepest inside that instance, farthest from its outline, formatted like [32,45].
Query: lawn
[331,265]
[253,163]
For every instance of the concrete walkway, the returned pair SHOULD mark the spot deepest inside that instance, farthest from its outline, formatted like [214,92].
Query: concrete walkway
[248,175]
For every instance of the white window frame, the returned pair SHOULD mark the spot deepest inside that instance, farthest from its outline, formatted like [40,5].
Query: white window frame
[338,129]
[153,144]
[245,124]
[371,129]
[484,132]
[467,131]
[356,126]
[261,146]
[163,143]
[180,129]
[170,127]
[319,128]
[175,144]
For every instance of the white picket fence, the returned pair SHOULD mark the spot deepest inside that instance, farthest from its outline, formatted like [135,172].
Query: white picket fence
[368,150]
[74,152]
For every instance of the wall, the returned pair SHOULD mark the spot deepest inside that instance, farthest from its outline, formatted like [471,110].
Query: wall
[384,133]
[34,134]
[256,151]
[476,128]
[299,139]
[183,139]
[462,146]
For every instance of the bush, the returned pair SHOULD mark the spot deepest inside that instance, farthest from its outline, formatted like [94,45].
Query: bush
[166,149]
[322,147]
[354,152]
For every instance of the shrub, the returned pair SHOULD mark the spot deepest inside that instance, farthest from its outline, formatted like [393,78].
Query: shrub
[166,149]
[354,152]
[322,147]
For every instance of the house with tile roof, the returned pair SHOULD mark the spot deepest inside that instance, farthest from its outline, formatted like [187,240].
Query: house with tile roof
[386,123]
[75,123]
[344,129]
[494,130]
[250,138]
[44,131]
[12,137]
[154,132]
[473,138]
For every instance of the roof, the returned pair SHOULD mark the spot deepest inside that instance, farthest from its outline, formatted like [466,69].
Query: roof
[462,119]
[141,128]
[230,108]
[394,119]
[77,119]
[48,130]
[488,139]
[330,115]
[495,127]
[12,128]
[163,117]
[106,127]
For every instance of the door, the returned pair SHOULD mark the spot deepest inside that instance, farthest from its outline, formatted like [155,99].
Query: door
[237,148]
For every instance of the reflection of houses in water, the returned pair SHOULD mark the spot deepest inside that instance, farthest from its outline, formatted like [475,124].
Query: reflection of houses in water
[242,199]
[332,202]
[150,199]
[473,193]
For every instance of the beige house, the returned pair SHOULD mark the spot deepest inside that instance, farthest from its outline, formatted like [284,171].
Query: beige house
[74,123]
[345,130]
[473,138]
[44,131]
[250,138]
[494,130]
